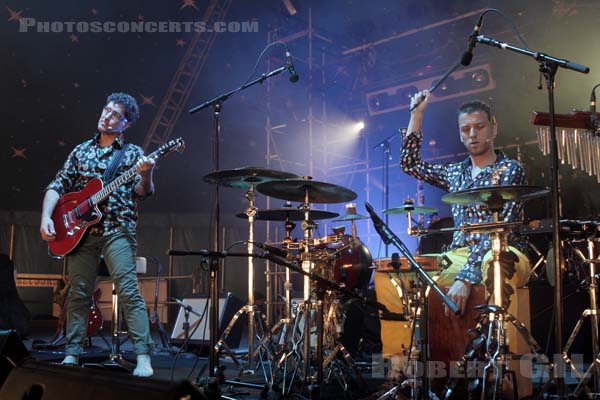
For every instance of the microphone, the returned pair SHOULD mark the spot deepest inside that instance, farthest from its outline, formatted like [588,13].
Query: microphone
[593,100]
[468,55]
[378,224]
[181,303]
[293,75]
[271,249]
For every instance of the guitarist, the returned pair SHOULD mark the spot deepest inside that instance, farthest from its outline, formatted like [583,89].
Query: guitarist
[114,236]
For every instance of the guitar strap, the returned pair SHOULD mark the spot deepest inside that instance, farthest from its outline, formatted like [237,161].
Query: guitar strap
[109,172]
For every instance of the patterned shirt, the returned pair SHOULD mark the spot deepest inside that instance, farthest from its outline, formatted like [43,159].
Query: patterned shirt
[88,160]
[457,176]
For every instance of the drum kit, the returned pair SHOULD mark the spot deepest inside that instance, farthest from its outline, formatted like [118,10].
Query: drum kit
[304,345]
[341,261]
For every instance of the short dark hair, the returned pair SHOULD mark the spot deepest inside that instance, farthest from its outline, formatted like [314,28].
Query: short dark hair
[476,105]
[132,110]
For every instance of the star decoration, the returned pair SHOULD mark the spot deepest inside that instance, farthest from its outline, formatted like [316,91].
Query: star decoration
[74,38]
[147,100]
[23,83]
[76,85]
[188,3]
[180,42]
[94,11]
[14,15]
[19,152]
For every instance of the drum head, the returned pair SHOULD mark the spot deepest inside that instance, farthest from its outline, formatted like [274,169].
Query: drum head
[436,242]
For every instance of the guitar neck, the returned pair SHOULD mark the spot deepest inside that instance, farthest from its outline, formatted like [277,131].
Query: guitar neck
[111,187]
[102,194]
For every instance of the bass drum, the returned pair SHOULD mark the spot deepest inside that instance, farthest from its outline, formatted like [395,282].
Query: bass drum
[435,243]
[352,266]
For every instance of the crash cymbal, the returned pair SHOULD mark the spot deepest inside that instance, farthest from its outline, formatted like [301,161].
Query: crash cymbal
[495,196]
[414,210]
[296,190]
[350,217]
[289,214]
[246,176]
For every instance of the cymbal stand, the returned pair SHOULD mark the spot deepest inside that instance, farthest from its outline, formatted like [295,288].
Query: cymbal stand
[307,266]
[283,324]
[594,369]
[256,321]
[496,335]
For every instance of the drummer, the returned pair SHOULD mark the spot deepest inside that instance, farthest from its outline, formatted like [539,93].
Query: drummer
[470,253]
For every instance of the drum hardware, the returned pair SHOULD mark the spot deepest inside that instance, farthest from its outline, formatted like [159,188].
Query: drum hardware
[593,371]
[308,191]
[248,178]
[494,197]
[300,335]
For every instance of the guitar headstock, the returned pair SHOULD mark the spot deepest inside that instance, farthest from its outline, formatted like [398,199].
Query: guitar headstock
[177,145]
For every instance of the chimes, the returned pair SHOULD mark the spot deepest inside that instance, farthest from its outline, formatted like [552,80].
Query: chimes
[577,141]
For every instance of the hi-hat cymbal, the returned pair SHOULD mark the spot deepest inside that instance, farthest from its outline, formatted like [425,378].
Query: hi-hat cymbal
[289,214]
[350,217]
[413,209]
[246,176]
[297,189]
[495,196]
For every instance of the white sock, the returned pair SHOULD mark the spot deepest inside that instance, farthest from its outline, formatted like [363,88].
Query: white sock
[143,368]
[71,360]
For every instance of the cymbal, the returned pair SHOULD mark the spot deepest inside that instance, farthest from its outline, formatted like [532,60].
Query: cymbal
[246,176]
[351,217]
[415,210]
[290,214]
[296,190]
[495,196]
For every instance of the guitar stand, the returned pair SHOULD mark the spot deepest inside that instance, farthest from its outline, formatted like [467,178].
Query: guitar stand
[115,359]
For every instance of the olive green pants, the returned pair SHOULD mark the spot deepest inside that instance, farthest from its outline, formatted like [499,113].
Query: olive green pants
[118,251]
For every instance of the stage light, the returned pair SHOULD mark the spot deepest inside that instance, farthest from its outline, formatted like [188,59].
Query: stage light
[359,126]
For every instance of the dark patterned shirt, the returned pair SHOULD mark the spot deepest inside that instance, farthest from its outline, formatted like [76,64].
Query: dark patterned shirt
[88,160]
[457,176]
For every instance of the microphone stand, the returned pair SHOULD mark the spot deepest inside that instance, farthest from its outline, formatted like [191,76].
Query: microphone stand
[217,105]
[214,261]
[387,156]
[548,66]
[388,236]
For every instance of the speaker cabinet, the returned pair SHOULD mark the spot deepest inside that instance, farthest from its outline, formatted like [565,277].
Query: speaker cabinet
[12,352]
[199,326]
[34,380]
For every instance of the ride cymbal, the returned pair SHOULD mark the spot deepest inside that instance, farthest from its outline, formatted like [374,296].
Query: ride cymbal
[350,217]
[495,196]
[245,177]
[301,189]
[413,209]
[289,214]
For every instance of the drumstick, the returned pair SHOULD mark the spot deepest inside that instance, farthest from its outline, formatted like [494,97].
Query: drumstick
[436,84]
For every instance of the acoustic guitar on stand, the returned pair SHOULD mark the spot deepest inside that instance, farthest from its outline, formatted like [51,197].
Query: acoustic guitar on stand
[77,211]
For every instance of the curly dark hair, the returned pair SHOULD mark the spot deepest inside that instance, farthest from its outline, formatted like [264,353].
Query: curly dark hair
[132,110]
[476,105]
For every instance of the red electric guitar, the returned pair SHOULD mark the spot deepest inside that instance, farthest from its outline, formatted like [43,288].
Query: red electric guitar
[76,211]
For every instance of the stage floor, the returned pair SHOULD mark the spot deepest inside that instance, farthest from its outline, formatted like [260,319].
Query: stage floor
[171,363]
